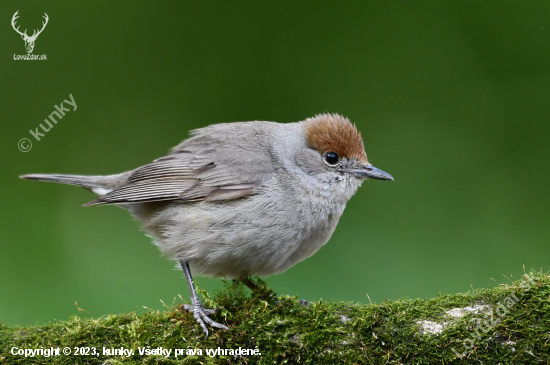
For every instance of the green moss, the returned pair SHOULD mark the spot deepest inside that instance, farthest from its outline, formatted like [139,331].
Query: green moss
[285,331]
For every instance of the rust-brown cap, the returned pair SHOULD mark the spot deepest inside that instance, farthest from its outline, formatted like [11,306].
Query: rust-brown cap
[335,133]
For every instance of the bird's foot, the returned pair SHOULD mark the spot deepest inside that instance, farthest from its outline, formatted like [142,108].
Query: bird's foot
[201,315]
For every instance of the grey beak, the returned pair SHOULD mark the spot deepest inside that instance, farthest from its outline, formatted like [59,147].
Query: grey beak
[370,172]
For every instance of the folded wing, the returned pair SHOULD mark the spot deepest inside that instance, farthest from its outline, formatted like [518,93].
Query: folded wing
[201,168]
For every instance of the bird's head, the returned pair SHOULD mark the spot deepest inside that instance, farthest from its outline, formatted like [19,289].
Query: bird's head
[336,153]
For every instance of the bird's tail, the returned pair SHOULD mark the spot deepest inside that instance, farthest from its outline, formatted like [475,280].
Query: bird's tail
[99,184]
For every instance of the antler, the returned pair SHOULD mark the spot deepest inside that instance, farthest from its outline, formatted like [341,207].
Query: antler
[43,26]
[17,29]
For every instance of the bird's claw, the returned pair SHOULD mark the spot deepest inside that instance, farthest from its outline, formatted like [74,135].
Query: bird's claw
[201,315]
[189,308]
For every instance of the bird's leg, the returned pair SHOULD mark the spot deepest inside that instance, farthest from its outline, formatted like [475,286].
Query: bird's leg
[199,312]
[247,282]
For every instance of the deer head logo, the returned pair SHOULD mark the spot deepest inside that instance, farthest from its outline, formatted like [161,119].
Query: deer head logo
[29,41]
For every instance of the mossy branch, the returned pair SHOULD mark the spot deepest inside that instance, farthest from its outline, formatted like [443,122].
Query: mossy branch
[284,331]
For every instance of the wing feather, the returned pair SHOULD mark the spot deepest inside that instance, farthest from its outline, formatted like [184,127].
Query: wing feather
[195,170]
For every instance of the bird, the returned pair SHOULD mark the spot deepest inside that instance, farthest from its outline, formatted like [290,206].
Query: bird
[243,198]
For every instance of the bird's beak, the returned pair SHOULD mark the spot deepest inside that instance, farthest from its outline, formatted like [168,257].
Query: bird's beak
[369,172]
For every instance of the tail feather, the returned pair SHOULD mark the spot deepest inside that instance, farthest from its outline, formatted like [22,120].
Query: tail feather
[99,184]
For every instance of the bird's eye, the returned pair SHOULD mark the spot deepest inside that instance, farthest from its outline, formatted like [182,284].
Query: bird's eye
[331,158]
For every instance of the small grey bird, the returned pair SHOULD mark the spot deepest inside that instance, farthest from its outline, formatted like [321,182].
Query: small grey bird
[248,198]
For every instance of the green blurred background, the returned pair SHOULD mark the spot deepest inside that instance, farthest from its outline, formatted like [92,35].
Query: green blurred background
[452,98]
